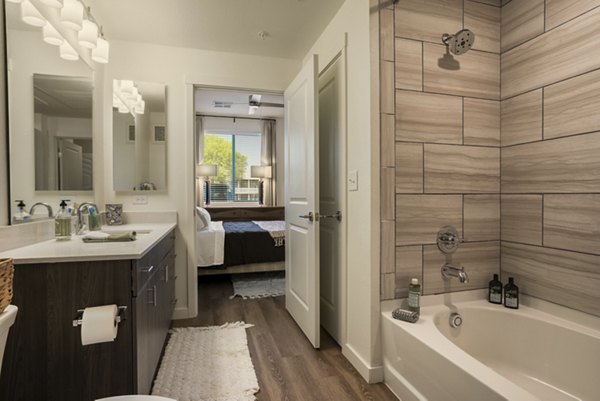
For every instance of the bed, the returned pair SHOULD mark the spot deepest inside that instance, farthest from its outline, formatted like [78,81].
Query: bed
[239,246]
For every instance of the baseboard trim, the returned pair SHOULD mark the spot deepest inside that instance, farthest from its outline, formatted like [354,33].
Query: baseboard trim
[372,374]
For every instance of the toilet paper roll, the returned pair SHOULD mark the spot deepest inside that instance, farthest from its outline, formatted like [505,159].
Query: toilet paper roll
[98,324]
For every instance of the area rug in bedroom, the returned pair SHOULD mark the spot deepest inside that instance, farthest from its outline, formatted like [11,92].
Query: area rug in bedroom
[258,285]
[207,364]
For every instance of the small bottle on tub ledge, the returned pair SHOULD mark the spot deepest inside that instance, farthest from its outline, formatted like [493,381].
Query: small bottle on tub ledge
[414,295]
[495,291]
[511,294]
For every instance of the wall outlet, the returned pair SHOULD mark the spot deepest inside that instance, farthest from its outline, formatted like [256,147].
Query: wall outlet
[140,200]
[353,180]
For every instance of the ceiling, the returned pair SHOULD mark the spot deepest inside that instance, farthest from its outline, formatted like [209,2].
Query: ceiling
[238,101]
[223,25]
[63,96]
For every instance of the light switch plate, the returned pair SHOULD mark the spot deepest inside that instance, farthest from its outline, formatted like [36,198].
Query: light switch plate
[353,180]
[140,200]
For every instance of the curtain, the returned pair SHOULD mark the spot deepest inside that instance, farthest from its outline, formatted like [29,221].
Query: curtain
[199,158]
[268,159]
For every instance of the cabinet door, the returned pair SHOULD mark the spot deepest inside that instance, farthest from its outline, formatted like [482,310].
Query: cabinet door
[144,304]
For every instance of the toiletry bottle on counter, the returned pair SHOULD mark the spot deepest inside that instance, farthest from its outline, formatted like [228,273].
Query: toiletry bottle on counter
[511,294]
[495,291]
[62,223]
[93,219]
[21,216]
[414,294]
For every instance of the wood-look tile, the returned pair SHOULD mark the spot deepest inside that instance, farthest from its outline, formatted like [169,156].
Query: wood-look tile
[386,26]
[481,217]
[496,3]
[560,11]
[387,87]
[572,222]
[419,217]
[482,122]
[427,117]
[521,21]
[409,264]
[387,193]
[481,261]
[461,169]
[546,60]
[521,217]
[409,64]
[477,75]
[428,20]
[521,118]
[484,20]
[562,165]
[388,246]
[388,286]
[388,140]
[571,106]
[409,167]
[567,278]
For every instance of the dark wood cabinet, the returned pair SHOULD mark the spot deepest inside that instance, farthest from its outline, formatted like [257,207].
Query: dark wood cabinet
[44,359]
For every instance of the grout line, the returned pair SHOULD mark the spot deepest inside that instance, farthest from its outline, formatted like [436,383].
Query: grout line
[448,94]
[552,139]
[543,97]
[545,16]
[422,67]
[550,247]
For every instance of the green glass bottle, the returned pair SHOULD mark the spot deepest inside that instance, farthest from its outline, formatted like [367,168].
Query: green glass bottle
[414,295]
[62,223]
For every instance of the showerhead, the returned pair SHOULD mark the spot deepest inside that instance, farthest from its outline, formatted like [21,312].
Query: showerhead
[459,43]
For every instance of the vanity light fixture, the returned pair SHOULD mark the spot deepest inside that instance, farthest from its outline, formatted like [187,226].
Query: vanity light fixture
[53,3]
[126,97]
[30,15]
[88,36]
[71,15]
[68,53]
[52,36]
[100,53]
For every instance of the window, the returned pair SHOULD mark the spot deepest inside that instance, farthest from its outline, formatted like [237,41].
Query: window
[233,182]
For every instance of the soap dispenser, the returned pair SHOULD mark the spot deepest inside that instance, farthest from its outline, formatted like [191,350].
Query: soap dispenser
[495,291]
[21,216]
[62,223]
[511,294]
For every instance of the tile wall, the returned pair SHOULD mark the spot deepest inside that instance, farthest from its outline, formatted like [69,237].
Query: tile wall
[504,145]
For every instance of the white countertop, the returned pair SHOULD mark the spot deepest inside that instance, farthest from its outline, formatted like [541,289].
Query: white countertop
[75,250]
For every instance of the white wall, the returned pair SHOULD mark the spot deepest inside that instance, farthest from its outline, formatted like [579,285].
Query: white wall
[180,69]
[362,336]
[3,132]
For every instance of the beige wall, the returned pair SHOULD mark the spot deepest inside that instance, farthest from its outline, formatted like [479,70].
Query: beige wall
[551,150]
[440,138]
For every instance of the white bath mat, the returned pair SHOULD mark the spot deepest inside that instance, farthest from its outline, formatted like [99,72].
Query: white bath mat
[207,364]
[260,285]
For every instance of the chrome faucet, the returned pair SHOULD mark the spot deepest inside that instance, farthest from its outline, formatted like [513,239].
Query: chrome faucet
[84,205]
[449,271]
[47,206]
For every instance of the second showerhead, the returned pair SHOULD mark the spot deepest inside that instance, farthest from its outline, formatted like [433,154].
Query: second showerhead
[459,43]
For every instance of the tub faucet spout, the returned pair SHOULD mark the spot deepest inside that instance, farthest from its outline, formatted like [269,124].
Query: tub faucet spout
[449,271]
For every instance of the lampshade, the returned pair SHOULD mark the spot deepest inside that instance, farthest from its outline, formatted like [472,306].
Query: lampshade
[30,15]
[51,35]
[206,170]
[88,36]
[100,53]
[126,87]
[261,171]
[53,3]
[71,15]
[67,52]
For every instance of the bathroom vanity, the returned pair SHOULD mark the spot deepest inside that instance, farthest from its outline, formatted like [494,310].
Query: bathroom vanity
[45,359]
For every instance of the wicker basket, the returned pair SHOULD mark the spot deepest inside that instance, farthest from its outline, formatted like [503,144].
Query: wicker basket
[6,283]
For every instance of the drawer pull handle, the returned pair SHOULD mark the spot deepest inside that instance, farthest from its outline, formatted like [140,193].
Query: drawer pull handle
[147,269]
[153,289]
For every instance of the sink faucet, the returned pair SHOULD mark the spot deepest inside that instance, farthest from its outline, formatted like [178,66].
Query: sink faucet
[84,205]
[449,271]
[47,206]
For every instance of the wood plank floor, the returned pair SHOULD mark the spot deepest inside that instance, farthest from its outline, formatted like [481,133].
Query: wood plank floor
[287,366]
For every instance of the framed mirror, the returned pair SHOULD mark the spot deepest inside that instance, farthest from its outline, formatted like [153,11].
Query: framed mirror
[139,136]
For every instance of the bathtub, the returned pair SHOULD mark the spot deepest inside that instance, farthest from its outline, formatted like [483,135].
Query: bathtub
[541,351]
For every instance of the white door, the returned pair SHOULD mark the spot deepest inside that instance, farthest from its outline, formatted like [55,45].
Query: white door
[332,173]
[301,197]
[70,165]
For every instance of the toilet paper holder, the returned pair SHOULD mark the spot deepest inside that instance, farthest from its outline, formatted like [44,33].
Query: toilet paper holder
[118,319]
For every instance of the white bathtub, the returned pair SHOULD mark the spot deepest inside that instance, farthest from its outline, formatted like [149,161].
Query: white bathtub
[541,351]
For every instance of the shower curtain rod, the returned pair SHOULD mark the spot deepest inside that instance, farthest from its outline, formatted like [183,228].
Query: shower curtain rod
[235,117]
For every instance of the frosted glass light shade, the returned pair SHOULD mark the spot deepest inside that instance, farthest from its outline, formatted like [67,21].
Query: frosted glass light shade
[30,15]
[88,36]
[140,107]
[71,15]
[51,35]
[133,95]
[53,3]
[68,53]
[206,170]
[100,53]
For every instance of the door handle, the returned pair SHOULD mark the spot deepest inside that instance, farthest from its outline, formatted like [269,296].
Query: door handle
[337,215]
[310,216]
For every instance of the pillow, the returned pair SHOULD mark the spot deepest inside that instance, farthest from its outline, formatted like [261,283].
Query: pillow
[202,219]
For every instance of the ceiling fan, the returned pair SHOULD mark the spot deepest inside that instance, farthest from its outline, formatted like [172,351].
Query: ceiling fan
[254,102]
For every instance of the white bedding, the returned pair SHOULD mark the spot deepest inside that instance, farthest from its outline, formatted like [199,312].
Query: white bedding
[210,245]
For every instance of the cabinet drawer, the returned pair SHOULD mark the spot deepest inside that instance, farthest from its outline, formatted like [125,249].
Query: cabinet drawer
[147,266]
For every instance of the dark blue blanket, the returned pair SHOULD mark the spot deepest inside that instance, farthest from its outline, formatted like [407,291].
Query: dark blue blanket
[246,242]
